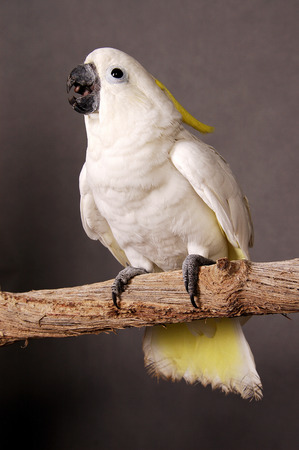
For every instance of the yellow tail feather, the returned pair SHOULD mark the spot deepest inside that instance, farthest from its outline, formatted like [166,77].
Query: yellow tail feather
[195,353]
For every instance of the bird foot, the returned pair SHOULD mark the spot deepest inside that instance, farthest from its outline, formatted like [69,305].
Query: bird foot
[121,281]
[191,266]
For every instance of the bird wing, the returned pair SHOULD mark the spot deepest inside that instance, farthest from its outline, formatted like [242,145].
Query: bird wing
[212,179]
[94,224]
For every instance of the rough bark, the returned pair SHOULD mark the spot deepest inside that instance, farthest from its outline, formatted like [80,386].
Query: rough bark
[227,289]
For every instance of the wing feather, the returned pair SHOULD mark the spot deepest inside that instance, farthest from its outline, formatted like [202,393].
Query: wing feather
[212,179]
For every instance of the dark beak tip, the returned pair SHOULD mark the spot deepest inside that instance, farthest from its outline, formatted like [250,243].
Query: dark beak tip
[72,101]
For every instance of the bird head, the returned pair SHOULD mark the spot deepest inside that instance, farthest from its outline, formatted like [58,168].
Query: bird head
[113,85]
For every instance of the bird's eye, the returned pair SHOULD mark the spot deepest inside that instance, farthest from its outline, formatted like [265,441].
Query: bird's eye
[116,75]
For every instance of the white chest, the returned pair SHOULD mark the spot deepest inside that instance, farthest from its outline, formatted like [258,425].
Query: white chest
[150,207]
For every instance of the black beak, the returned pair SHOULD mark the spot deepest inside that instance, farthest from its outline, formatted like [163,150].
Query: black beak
[86,83]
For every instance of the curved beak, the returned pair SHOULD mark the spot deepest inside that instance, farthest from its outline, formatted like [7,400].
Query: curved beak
[86,83]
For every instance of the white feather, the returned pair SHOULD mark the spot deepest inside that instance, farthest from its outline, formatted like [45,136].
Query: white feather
[212,179]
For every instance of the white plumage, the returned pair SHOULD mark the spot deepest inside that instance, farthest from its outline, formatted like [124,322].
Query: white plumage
[153,193]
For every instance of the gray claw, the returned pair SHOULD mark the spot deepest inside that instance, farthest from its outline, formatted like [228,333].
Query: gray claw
[190,268]
[121,281]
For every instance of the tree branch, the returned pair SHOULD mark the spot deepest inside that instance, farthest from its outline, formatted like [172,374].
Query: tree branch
[227,289]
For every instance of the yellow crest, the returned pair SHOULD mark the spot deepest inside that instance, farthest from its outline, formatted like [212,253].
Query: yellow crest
[187,117]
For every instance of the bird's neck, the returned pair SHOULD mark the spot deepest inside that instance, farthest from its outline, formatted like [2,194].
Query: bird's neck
[123,140]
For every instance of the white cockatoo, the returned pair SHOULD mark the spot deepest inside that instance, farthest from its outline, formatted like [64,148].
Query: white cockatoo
[160,199]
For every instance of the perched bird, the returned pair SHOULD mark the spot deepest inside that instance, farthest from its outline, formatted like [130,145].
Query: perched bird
[160,199]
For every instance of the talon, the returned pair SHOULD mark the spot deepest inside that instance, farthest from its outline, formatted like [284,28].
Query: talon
[186,285]
[193,301]
[114,298]
[191,267]
[122,280]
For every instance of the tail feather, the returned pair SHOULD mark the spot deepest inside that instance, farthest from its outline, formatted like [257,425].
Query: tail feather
[211,352]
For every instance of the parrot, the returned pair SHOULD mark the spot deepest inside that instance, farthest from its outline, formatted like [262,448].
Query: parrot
[161,199]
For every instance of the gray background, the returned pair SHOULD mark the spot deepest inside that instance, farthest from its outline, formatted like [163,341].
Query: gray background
[234,65]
